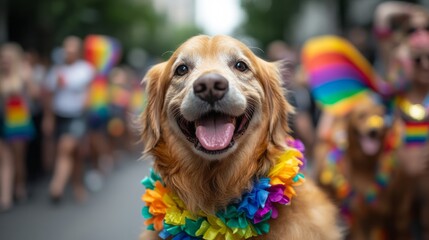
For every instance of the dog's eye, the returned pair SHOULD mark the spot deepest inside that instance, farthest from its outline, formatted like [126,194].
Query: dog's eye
[241,66]
[181,70]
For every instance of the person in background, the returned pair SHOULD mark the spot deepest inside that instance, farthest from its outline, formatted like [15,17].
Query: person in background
[360,37]
[68,84]
[16,127]
[120,96]
[402,31]
[412,111]
[390,24]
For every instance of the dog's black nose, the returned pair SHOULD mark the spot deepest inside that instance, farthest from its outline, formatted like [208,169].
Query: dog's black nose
[211,87]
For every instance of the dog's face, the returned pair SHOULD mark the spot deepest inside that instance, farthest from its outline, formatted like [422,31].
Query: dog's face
[367,127]
[213,98]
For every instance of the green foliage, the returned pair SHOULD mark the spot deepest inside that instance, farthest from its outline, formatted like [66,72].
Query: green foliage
[269,20]
[134,22]
[171,37]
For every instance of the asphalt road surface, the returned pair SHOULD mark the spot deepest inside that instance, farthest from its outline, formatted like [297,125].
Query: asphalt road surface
[113,213]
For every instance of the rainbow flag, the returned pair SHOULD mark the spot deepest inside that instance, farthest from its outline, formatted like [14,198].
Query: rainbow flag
[416,133]
[339,76]
[17,124]
[99,97]
[103,53]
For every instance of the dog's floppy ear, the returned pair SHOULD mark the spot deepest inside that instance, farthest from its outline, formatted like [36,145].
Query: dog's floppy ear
[151,116]
[271,75]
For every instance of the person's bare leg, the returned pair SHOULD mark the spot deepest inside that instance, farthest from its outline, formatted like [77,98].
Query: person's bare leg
[64,165]
[19,154]
[104,155]
[6,177]
[48,146]
[80,192]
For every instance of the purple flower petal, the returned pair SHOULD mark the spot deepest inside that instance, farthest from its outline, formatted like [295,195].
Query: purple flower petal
[275,213]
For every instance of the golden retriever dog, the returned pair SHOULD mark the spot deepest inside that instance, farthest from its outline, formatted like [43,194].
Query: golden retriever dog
[366,134]
[363,152]
[216,119]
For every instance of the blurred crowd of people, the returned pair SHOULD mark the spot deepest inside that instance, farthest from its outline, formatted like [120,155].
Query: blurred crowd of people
[51,124]
[69,120]
[369,149]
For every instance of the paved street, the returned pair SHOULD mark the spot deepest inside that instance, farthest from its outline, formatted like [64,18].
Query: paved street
[112,213]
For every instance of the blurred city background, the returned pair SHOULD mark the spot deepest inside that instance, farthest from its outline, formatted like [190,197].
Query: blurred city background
[98,196]
[150,28]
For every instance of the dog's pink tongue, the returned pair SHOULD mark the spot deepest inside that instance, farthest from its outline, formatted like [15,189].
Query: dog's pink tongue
[215,132]
[370,146]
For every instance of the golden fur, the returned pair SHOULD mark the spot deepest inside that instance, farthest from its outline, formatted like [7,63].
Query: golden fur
[209,184]
[359,168]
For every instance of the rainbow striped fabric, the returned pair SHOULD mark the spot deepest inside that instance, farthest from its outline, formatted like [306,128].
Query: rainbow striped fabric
[416,120]
[17,119]
[103,53]
[416,133]
[339,76]
[99,98]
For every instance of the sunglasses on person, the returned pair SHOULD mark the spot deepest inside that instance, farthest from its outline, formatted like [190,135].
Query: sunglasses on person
[418,59]
[412,30]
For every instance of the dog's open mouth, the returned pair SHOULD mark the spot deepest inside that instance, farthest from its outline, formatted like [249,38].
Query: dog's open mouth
[371,142]
[370,146]
[215,132]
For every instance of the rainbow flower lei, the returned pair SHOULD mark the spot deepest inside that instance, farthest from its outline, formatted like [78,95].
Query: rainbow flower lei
[166,212]
[333,175]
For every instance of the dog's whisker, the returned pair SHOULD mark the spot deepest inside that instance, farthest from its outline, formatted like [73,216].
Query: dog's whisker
[257,48]
[167,52]
[176,111]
